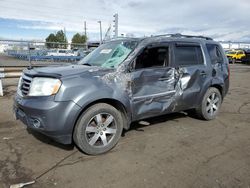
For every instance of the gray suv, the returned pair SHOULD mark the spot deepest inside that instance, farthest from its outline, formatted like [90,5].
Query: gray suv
[122,81]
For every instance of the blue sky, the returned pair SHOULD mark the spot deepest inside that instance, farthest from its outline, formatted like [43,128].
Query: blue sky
[31,30]
[35,19]
[16,29]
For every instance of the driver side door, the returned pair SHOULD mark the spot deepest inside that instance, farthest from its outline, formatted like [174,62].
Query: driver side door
[153,82]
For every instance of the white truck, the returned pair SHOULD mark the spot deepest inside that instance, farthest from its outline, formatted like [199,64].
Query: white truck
[60,52]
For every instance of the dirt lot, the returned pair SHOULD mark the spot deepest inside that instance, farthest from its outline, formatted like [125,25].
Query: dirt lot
[173,151]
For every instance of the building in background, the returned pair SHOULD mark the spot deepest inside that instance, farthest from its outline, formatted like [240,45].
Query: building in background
[227,45]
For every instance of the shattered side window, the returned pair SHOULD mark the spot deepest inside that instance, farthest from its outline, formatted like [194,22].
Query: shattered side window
[152,57]
[110,55]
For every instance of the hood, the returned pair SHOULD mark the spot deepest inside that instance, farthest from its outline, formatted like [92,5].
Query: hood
[64,71]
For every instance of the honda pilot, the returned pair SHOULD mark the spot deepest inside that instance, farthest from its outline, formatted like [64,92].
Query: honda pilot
[122,81]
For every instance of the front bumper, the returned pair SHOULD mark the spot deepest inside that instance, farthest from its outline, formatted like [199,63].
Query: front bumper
[43,114]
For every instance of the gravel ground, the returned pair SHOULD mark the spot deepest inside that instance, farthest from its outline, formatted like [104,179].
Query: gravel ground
[173,151]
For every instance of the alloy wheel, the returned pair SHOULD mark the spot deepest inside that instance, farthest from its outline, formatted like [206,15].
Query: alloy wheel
[212,104]
[101,130]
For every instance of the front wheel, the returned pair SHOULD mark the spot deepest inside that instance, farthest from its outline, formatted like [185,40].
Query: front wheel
[98,129]
[210,105]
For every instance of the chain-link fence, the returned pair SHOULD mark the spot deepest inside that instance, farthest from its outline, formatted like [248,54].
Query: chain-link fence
[15,55]
[25,53]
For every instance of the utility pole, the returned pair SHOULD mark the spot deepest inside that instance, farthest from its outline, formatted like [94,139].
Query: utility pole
[64,31]
[85,28]
[85,33]
[115,25]
[100,31]
[65,37]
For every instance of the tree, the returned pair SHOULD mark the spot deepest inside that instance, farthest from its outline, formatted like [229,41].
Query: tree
[59,37]
[51,38]
[78,40]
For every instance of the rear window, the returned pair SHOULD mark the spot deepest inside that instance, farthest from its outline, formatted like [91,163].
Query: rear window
[214,53]
[188,55]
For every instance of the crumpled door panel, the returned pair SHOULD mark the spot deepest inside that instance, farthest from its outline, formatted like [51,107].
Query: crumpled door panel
[153,90]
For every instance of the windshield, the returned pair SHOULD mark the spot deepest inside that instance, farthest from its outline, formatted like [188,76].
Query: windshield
[109,55]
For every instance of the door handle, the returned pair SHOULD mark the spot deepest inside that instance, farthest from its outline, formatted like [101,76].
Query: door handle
[163,79]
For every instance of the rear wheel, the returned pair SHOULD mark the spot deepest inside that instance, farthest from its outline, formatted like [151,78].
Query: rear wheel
[210,105]
[98,129]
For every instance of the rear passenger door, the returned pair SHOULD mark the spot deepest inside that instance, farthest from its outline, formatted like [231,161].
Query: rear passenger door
[193,74]
[220,69]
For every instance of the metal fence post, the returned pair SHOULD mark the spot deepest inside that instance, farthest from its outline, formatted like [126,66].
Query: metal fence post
[1,88]
[29,54]
[1,84]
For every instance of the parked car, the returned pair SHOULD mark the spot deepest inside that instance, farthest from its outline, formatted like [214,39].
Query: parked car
[60,52]
[235,55]
[246,58]
[123,81]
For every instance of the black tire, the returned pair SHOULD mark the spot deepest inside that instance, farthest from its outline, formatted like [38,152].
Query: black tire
[206,110]
[89,120]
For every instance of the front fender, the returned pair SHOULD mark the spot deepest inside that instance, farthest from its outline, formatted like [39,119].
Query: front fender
[84,91]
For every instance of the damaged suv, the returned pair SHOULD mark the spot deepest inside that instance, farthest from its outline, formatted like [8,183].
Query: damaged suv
[122,81]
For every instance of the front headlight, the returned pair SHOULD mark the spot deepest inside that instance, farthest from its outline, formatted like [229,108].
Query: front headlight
[44,86]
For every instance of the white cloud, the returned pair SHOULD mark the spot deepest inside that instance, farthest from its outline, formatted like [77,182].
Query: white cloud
[222,19]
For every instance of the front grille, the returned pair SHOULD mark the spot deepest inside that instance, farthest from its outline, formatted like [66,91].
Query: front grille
[25,84]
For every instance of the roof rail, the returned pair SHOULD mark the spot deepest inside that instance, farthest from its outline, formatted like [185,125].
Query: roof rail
[120,38]
[178,35]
